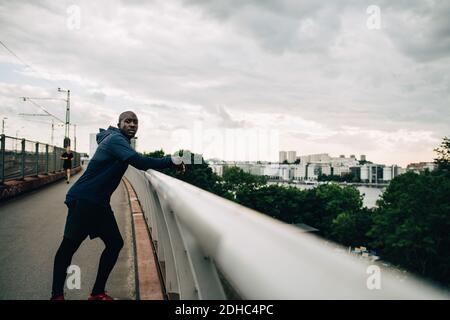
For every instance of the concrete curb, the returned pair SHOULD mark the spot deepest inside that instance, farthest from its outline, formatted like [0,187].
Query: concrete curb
[13,188]
[148,282]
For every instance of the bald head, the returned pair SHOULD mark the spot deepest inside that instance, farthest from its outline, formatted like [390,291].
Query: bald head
[126,114]
[128,123]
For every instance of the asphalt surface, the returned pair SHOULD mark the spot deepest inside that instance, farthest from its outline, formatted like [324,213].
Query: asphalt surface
[31,229]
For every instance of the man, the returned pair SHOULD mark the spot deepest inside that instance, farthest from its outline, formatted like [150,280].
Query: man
[67,165]
[88,200]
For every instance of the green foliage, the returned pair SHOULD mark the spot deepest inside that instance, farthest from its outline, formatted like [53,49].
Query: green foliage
[411,226]
[235,179]
[351,228]
[325,202]
[197,174]
[318,207]
[443,152]
[155,154]
[283,203]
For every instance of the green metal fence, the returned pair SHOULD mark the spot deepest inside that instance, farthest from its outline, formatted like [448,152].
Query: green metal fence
[20,158]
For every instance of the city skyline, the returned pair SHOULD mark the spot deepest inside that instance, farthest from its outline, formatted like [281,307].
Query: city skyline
[314,72]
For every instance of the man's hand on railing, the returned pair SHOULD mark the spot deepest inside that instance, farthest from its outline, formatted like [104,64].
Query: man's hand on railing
[179,164]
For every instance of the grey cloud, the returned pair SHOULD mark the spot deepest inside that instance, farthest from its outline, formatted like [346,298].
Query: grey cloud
[279,25]
[226,120]
[421,29]
[292,57]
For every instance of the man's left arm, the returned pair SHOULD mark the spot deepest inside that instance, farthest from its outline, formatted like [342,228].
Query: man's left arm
[145,163]
[122,150]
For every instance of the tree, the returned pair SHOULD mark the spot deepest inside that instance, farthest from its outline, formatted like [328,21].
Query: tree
[155,154]
[351,228]
[235,179]
[411,226]
[282,203]
[327,208]
[197,174]
[325,203]
[443,158]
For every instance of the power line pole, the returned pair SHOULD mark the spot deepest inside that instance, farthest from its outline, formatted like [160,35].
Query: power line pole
[3,124]
[53,129]
[75,137]
[66,133]
[17,139]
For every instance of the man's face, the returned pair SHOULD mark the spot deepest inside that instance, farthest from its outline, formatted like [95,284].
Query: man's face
[129,125]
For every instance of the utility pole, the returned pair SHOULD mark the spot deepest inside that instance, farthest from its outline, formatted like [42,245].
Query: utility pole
[53,130]
[75,137]
[66,133]
[17,139]
[3,124]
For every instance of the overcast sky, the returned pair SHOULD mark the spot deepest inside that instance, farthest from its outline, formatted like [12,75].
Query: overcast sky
[318,74]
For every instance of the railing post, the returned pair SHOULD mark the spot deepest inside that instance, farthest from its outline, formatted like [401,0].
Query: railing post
[54,159]
[37,158]
[46,159]
[59,160]
[2,159]
[23,159]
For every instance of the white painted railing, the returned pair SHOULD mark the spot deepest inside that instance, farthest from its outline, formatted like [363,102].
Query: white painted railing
[211,248]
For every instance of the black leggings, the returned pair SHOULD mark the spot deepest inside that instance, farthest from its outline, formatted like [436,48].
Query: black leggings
[63,258]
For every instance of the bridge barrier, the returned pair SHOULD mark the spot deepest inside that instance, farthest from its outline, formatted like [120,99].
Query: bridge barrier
[212,248]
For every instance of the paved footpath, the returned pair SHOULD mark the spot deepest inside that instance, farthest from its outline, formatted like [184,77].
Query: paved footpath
[31,229]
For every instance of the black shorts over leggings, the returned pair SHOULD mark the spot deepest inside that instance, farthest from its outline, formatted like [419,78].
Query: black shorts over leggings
[86,218]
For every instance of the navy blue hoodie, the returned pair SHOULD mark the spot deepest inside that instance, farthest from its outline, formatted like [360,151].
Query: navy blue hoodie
[108,165]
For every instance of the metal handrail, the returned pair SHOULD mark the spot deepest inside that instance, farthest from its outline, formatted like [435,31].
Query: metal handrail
[212,248]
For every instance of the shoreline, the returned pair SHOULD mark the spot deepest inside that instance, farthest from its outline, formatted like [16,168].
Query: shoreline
[316,183]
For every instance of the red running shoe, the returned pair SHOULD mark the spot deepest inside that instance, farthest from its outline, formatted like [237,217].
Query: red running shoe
[101,296]
[61,297]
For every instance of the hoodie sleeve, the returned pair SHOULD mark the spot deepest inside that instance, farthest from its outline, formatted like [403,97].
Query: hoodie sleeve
[145,163]
[120,148]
